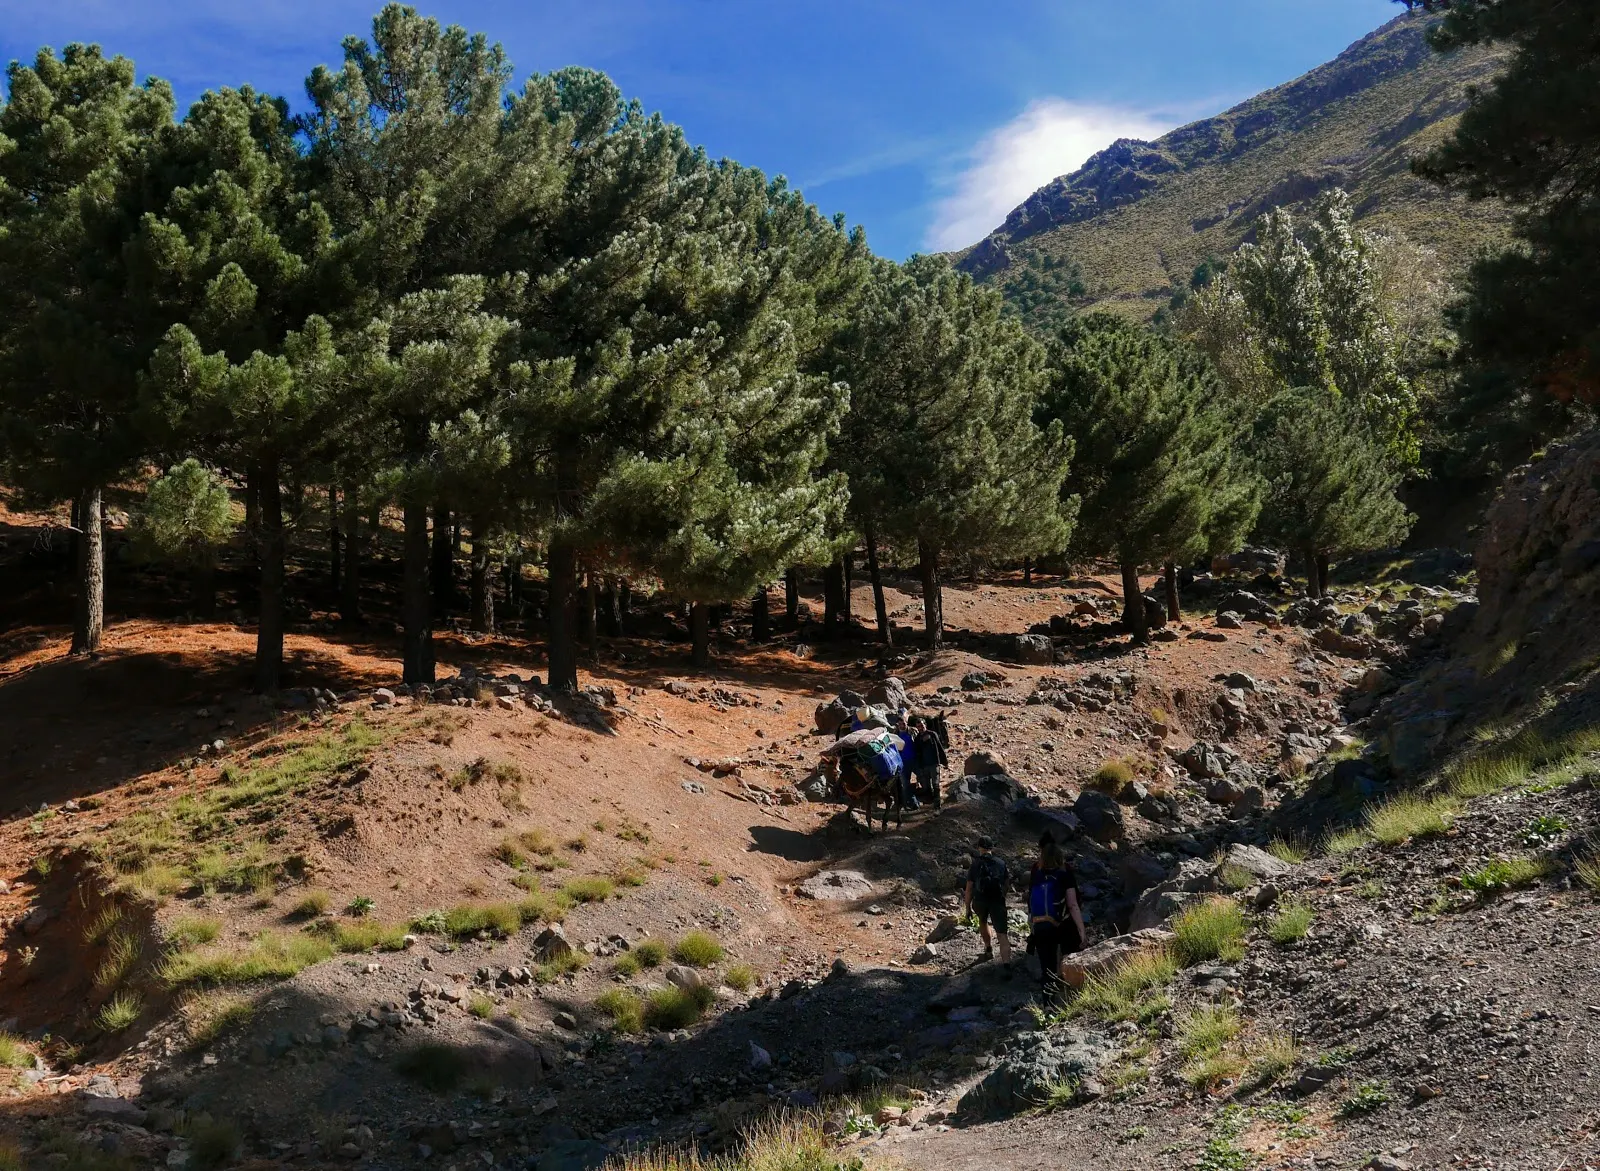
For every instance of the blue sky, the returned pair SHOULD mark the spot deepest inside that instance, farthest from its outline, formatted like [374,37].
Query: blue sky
[924,120]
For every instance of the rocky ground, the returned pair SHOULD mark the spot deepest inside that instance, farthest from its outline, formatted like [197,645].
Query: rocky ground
[1430,1025]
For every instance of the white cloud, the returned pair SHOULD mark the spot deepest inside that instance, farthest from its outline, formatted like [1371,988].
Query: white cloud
[1051,137]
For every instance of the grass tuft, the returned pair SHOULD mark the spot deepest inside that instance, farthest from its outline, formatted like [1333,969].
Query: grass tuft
[1206,1030]
[1271,1058]
[785,1143]
[312,904]
[740,977]
[676,1008]
[103,924]
[120,1011]
[1291,924]
[625,1010]
[1212,930]
[698,949]
[122,954]
[1288,851]
[481,1006]
[652,953]
[1587,872]
[1129,991]
[190,931]
[594,889]
[1506,874]
[1409,817]
[1113,775]
[273,956]
[13,1053]
[1345,841]
[467,920]
[207,1015]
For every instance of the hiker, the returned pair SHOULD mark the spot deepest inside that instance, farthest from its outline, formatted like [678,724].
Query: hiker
[986,897]
[905,739]
[927,756]
[1054,917]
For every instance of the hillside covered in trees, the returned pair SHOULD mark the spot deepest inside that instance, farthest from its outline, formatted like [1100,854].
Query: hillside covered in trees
[1129,227]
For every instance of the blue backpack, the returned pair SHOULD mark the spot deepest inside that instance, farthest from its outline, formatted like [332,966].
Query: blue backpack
[880,758]
[1046,895]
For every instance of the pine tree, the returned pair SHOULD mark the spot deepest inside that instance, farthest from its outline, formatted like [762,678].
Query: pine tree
[1530,320]
[185,518]
[76,136]
[1330,484]
[941,440]
[1153,463]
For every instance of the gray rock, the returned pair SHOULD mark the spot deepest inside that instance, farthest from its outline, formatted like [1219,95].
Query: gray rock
[925,954]
[1036,649]
[828,716]
[837,886]
[1224,791]
[1159,904]
[565,1020]
[944,929]
[551,944]
[984,763]
[759,1057]
[1100,816]
[1228,620]
[1024,1079]
[383,696]
[1242,681]
[1254,861]
[890,694]
[993,787]
[974,681]
[332,1037]
[1205,761]
[835,1073]
[685,977]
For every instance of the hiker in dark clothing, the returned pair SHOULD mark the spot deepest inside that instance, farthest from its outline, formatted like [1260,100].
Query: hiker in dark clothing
[906,741]
[987,881]
[927,757]
[1055,919]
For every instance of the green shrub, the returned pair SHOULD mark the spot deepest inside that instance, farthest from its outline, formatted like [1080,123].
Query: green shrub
[1284,850]
[1129,991]
[562,965]
[1206,1030]
[1235,877]
[1345,841]
[787,1143]
[1272,1057]
[652,953]
[312,904]
[1506,874]
[698,949]
[436,1067]
[120,1011]
[1212,930]
[1366,1098]
[207,1015]
[498,919]
[194,930]
[1587,872]
[1409,817]
[481,1006]
[122,953]
[1213,1068]
[101,926]
[594,889]
[271,957]
[13,1054]
[1112,775]
[541,907]
[360,907]
[625,1010]
[672,1008]
[1291,923]
[626,965]
[362,935]
[740,977]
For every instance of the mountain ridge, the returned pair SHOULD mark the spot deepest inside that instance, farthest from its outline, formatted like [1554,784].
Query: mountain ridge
[1127,228]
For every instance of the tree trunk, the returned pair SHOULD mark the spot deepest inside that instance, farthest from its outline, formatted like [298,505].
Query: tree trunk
[932,595]
[700,633]
[88,626]
[269,626]
[416,599]
[441,569]
[791,597]
[1322,574]
[624,604]
[333,536]
[848,560]
[1313,589]
[760,619]
[591,606]
[482,580]
[562,617]
[832,597]
[879,606]
[252,531]
[1133,615]
[350,582]
[1027,571]
[1170,572]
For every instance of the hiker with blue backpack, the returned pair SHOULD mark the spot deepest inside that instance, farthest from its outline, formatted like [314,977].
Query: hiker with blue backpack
[1055,919]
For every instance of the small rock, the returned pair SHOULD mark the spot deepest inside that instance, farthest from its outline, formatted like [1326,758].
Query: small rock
[565,1020]
[1386,1163]
[925,954]
[944,929]
[1228,620]
[382,697]
[759,1057]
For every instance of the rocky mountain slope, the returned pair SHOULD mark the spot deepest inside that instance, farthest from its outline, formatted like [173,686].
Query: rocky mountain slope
[1133,222]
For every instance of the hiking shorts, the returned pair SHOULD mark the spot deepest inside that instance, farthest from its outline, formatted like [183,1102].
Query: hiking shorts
[992,913]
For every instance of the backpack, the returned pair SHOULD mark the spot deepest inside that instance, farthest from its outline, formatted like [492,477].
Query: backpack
[991,883]
[879,758]
[1045,895]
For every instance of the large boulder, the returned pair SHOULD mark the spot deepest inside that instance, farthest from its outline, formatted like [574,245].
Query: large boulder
[889,694]
[1254,861]
[1205,761]
[1100,816]
[837,886]
[984,763]
[1025,1078]
[1158,905]
[828,716]
[1112,953]
[1412,743]
[993,787]
[1036,649]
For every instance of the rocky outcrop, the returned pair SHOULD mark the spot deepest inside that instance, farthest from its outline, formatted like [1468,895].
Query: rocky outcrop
[1027,1078]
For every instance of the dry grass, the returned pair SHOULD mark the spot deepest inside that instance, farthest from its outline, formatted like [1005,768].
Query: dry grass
[1212,930]
[1129,992]
[1409,817]
[779,1144]
[207,1015]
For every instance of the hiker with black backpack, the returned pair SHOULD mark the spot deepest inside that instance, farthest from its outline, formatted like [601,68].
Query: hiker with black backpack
[987,881]
[1054,917]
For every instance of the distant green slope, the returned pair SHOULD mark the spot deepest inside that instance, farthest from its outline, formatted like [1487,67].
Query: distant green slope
[1131,224]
